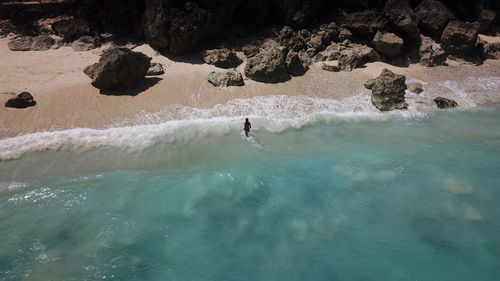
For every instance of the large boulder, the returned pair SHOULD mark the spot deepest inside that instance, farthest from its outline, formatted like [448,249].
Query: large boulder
[459,37]
[387,43]
[401,16]
[86,43]
[349,55]
[224,58]
[269,65]
[388,91]
[433,17]
[226,78]
[486,18]
[31,43]
[155,22]
[22,100]
[366,23]
[445,103]
[118,67]
[430,52]
[71,29]
[295,65]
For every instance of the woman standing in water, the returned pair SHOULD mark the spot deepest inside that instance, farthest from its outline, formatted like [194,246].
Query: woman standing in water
[247,126]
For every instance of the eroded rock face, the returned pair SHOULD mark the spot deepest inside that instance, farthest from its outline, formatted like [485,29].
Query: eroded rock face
[459,37]
[226,78]
[31,43]
[269,65]
[224,58]
[433,16]
[71,29]
[388,91]
[431,53]
[118,67]
[22,100]
[387,43]
[445,103]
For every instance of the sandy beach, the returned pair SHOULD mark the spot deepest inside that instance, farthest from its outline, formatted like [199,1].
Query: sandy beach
[66,99]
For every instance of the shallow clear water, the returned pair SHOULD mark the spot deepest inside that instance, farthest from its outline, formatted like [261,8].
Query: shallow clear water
[393,199]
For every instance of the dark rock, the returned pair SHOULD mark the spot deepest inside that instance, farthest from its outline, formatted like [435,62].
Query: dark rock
[226,78]
[70,29]
[250,50]
[30,43]
[388,91]
[22,100]
[332,66]
[401,15]
[415,87]
[431,53]
[459,37]
[489,50]
[155,68]
[118,67]
[155,24]
[445,103]
[295,65]
[269,64]
[344,34]
[387,43]
[433,17]
[224,58]
[366,23]
[486,18]
[86,43]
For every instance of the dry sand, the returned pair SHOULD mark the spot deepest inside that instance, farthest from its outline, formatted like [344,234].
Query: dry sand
[66,99]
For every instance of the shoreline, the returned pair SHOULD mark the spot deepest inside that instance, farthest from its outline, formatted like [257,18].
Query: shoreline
[66,99]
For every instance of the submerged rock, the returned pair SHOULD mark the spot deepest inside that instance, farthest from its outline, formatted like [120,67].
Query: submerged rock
[118,67]
[224,58]
[445,103]
[388,91]
[31,43]
[155,68]
[22,100]
[269,65]
[226,78]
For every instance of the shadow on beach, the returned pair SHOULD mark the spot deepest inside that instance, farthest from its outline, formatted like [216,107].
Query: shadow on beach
[134,90]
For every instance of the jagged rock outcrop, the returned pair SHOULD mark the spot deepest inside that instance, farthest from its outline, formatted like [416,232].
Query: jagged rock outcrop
[415,87]
[86,43]
[226,78]
[118,67]
[269,65]
[430,52]
[155,68]
[223,58]
[31,43]
[22,100]
[459,37]
[433,17]
[445,103]
[387,43]
[71,29]
[388,91]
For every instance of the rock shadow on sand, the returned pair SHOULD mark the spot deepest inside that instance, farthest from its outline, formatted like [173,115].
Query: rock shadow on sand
[140,87]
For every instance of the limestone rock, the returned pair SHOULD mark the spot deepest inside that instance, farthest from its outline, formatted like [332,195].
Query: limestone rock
[226,78]
[388,91]
[459,37]
[22,100]
[250,50]
[295,65]
[155,68]
[415,87]
[71,29]
[332,66]
[445,103]
[86,43]
[431,53]
[224,58]
[269,65]
[387,43]
[433,17]
[31,43]
[118,67]
[349,55]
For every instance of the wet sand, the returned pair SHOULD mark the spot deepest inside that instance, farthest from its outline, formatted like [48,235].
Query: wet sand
[66,99]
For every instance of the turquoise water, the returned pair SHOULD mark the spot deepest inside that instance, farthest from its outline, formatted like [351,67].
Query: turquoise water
[392,199]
